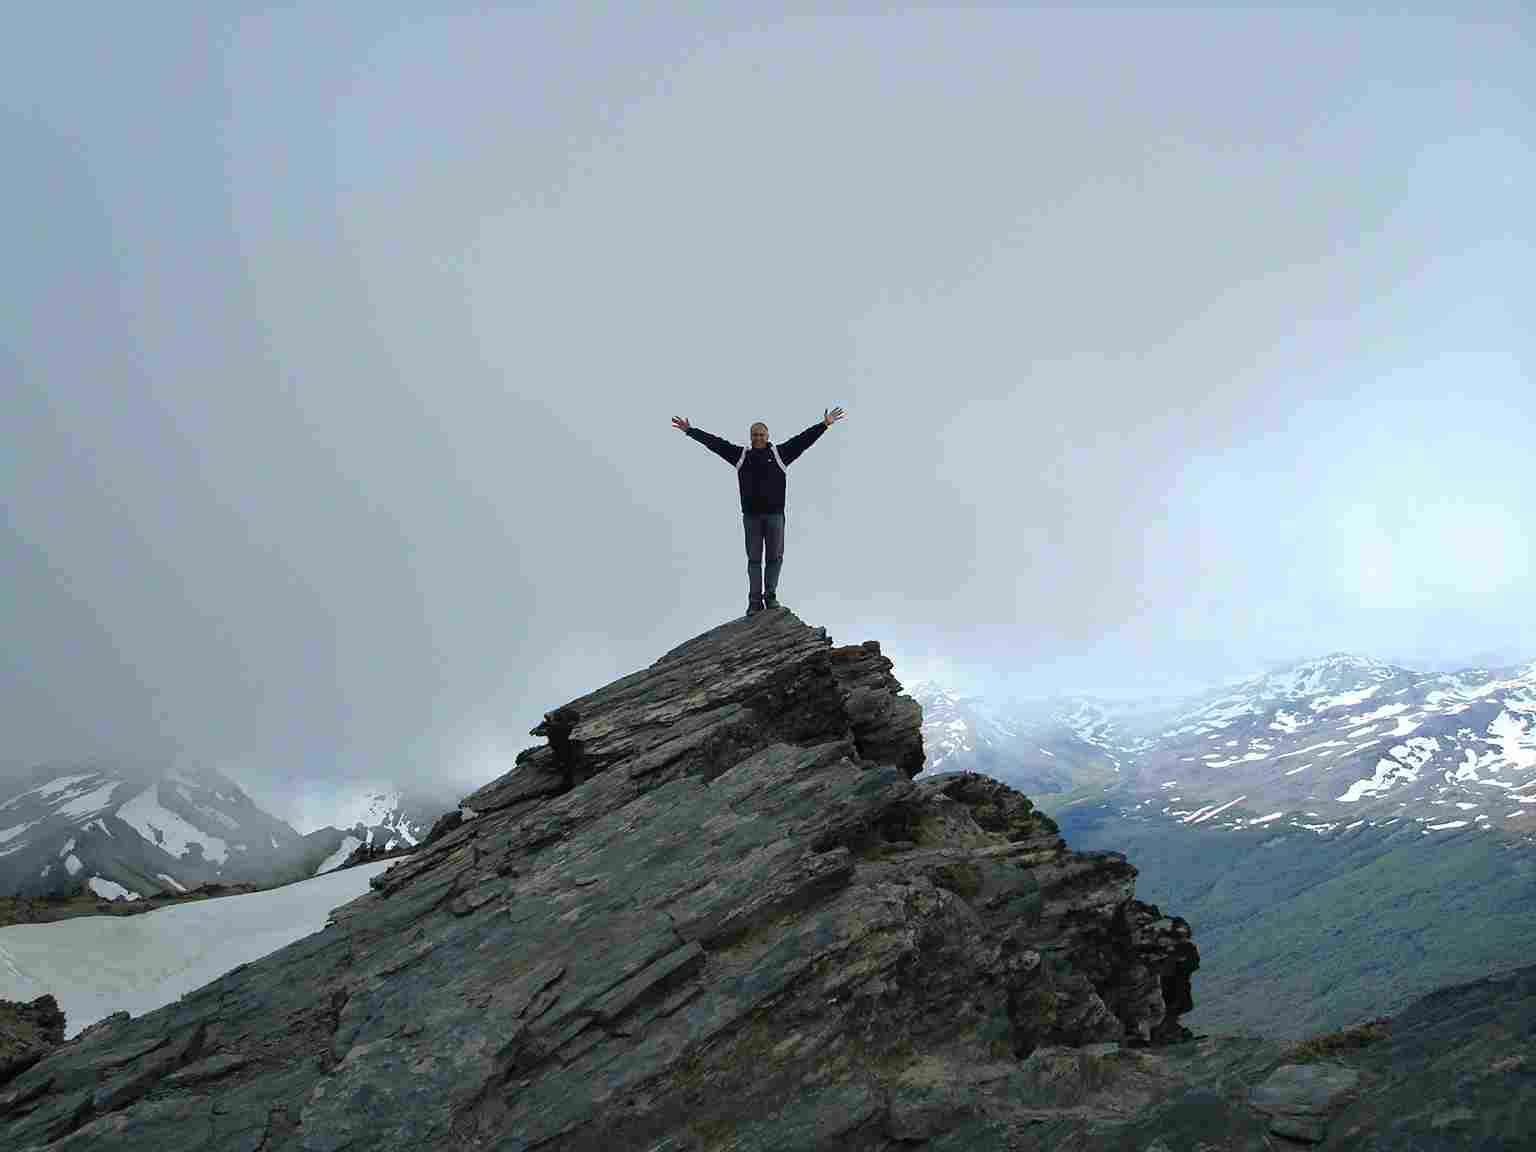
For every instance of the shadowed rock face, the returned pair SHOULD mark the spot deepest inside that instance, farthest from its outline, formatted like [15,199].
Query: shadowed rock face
[27,1033]
[714,907]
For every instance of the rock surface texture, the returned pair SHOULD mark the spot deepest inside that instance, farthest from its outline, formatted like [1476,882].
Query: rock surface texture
[28,1032]
[714,911]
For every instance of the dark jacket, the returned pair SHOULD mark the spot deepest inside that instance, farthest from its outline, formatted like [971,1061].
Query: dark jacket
[760,472]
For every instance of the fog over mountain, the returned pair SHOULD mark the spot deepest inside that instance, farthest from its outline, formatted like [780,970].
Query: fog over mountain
[339,350]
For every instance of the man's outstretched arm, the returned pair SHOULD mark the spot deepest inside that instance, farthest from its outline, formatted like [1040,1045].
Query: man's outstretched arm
[790,450]
[724,449]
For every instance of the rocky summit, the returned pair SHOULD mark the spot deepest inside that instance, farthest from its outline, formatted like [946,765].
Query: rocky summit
[714,910]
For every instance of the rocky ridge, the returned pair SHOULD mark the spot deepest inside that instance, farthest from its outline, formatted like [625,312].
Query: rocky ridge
[715,911]
[714,903]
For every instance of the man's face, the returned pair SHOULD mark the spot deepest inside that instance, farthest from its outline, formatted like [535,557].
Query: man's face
[759,435]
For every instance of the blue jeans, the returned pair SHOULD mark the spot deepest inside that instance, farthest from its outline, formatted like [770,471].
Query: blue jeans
[765,531]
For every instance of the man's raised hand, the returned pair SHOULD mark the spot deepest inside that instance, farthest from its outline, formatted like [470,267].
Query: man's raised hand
[832,417]
[680,423]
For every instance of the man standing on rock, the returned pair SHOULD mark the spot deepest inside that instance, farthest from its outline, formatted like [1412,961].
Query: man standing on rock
[760,477]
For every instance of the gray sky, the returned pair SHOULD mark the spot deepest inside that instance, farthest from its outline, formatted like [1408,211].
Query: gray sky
[339,351]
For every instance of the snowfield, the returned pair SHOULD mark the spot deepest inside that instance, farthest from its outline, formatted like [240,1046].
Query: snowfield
[97,965]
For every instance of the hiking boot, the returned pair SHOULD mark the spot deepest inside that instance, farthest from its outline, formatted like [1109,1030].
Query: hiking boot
[770,601]
[754,606]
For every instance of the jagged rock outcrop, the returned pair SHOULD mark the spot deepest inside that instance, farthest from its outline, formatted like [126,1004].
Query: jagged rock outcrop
[714,910]
[28,1032]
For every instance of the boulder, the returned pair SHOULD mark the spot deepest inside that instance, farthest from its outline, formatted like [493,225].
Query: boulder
[28,1032]
[1301,1098]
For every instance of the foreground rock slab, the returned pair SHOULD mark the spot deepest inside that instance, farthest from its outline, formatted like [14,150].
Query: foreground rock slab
[1302,1098]
[714,904]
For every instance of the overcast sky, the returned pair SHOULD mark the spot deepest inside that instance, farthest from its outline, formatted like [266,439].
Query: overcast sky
[339,351]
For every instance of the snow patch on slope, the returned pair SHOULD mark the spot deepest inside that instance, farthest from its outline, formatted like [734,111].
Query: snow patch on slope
[348,846]
[89,803]
[110,890]
[96,965]
[1344,699]
[62,784]
[157,825]
[211,813]
[1388,772]
[1516,738]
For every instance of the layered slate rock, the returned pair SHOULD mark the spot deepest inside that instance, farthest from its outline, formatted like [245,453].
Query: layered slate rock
[1300,1099]
[713,910]
[28,1032]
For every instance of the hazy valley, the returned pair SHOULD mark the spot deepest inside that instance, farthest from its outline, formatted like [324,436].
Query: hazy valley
[1344,835]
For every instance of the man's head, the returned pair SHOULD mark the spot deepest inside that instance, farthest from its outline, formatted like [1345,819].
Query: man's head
[759,434]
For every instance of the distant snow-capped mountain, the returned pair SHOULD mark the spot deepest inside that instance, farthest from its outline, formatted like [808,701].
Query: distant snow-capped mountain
[390,817]
[126,831]
[131,830]
[954,725]
[1347,740]
[383,819]
[1052,749]
[1334,742]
